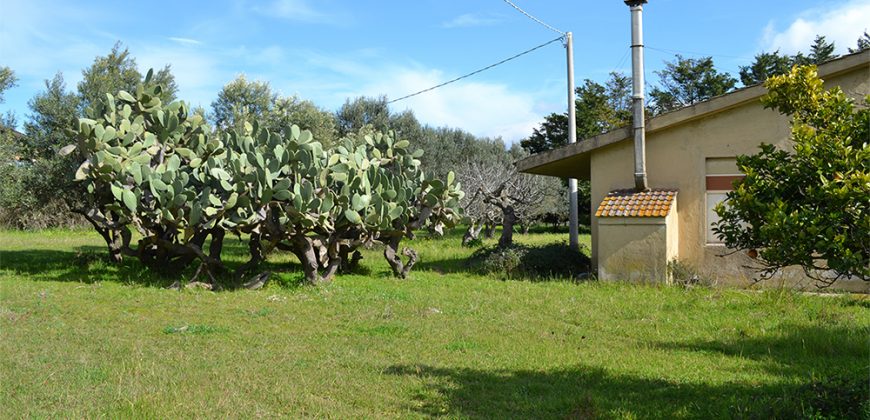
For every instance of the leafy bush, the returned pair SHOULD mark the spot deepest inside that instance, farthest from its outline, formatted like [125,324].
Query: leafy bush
[498,260]
[531,262]
[473,243]
[806,207]
[28,199]
[685,275]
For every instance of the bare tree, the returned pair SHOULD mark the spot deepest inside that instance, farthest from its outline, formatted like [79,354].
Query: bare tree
[501,195]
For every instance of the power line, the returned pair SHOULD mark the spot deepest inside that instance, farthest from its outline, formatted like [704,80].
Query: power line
[621,60]
[478,71]
[664,50]
[534,18]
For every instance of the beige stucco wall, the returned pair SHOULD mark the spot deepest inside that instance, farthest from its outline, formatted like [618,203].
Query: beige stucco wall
[676,158]
[637,249]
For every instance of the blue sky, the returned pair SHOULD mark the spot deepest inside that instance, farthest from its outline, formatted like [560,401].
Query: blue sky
[329,50]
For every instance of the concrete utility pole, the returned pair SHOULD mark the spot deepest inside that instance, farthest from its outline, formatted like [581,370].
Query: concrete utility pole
[572,138]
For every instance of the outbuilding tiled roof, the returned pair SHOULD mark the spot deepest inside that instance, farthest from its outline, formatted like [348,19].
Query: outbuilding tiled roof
[631,203]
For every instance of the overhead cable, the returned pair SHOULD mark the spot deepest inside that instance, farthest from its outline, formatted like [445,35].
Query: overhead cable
[534,18]
[665,50]
[478,71]
[621,60]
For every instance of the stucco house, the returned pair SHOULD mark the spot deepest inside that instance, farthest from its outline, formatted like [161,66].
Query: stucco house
[691,161]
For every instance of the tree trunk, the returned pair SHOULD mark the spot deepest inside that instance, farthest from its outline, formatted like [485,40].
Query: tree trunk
[509,216]
[507,226]
[350,258]
[305,249]
[217,243]
[116,238]
[489,229]
[255,251]
[472,233]
[391,253]
[163,253]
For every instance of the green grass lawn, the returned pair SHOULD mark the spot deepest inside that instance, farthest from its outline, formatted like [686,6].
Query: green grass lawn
[82,338]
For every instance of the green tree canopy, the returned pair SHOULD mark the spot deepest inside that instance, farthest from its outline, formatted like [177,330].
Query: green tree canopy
[52,111]
[599,108]
[118,71]
[687,81]
[7,80]
[446,149]
[764,66]
[810,207]
[821,50]
[241,101]
[38,193]
[772,64]
[287,111]
[862,44]
[362,111]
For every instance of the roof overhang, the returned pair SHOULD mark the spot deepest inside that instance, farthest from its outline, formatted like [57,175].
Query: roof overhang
[573,160]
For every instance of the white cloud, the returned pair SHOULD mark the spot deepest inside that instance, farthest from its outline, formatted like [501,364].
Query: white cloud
[469,20]
[202,66]
[184,41]
[841,23]
[297,10]
[484,109]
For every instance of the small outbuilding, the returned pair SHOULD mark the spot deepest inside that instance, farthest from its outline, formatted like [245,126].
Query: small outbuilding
[691,164]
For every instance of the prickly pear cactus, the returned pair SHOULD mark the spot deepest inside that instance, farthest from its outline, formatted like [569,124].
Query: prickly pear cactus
[155,167]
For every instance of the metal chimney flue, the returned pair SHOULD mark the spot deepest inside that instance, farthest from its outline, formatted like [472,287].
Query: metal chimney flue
[637,97]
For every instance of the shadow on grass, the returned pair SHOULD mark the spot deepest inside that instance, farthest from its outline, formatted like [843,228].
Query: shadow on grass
[822,381]
[793,351]
[446,266]
[89,264]
[583,393]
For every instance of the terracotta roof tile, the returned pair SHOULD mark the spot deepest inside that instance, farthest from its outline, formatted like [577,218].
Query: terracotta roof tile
[630,203]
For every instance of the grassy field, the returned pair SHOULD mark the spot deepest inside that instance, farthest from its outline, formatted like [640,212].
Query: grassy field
[81,338]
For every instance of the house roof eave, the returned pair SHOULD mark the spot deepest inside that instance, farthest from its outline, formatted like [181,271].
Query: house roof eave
[573,160]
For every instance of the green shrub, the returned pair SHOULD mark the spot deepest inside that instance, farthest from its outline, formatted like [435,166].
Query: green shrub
[531,262]
[686,275]
[474,243]
[27,200]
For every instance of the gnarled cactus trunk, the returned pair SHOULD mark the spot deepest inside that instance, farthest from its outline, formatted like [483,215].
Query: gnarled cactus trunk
[306,249]
[116,235]
[255,250]
[350,258]
[391,253]
[165,254]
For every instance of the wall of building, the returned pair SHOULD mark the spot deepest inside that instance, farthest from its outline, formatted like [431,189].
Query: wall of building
[676,157]
[637,249]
